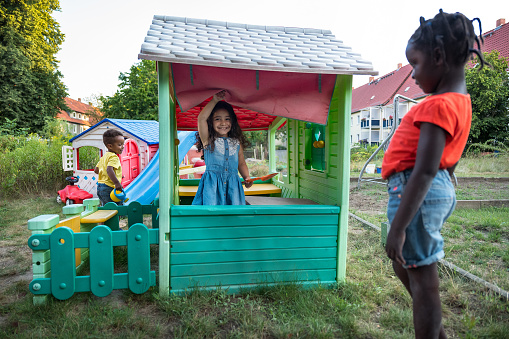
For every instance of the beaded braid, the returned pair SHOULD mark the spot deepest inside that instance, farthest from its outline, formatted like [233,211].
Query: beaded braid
[234,133]
[453,34]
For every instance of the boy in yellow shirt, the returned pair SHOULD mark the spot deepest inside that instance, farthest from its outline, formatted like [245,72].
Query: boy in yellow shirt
[109,167]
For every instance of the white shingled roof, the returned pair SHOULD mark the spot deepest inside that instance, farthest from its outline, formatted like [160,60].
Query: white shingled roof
[241,46]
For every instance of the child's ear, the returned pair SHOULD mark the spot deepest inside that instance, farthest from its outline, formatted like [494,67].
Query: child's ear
[438,56]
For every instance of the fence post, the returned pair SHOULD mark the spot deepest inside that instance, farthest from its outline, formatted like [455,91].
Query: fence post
[41,265]
[385,230]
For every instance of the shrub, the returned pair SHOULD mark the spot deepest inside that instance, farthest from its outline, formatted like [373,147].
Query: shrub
[30,165]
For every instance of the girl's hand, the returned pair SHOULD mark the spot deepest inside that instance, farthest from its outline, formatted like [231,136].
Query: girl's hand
[220,95]
[248,184]
[394,246]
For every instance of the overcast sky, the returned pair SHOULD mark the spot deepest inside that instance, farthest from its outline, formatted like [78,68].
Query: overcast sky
[103,38]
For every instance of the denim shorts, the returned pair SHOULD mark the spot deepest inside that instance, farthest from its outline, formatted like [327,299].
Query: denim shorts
[424,244]
[103,193]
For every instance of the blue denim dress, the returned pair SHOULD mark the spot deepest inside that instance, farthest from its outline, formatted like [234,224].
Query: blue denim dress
[220,184]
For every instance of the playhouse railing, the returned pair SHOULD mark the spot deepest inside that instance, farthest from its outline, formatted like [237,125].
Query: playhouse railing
[102,280]
[60,249]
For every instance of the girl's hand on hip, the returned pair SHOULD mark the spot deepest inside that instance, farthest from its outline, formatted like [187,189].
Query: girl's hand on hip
[394,246]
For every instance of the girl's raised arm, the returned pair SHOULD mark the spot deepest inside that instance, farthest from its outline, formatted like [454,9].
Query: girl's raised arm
[204,115]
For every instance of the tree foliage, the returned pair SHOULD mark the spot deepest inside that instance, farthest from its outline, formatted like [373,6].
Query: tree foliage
[137,96]
[31,89]
[489,90]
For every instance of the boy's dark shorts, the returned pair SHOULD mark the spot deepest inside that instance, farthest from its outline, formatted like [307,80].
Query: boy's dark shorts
[424,243]
[103,193]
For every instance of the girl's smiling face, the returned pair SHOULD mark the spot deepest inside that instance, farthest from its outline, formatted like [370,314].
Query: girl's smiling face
[221,122]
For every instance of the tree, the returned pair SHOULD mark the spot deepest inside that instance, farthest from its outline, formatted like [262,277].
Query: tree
[31,89]
[137,96]
[489,90]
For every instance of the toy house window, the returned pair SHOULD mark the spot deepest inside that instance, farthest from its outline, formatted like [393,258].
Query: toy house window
[315,147]
[88,157]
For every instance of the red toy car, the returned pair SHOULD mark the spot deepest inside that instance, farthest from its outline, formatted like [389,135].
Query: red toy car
[72,194]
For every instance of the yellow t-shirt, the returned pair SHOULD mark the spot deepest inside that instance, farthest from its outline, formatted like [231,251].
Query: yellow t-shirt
[109,159]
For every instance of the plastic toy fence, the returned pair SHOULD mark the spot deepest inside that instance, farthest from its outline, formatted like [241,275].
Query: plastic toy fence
[60,248]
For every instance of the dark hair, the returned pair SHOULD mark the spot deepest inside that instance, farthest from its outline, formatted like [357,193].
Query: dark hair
[110,135]
[234,133]
[453,34]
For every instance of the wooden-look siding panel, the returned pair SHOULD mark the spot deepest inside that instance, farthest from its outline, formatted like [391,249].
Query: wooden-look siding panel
[252,244]
[251,255]
[260,267]
[210,249]
[252,232]
[254,278]
[228,221]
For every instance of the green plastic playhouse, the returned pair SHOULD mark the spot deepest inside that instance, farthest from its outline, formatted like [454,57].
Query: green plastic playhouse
[298,77]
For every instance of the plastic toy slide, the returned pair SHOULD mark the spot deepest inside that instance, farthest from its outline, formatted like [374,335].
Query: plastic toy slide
[145,187]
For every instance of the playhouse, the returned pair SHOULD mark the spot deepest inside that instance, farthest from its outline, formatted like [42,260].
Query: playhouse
[140,147]
[295,226]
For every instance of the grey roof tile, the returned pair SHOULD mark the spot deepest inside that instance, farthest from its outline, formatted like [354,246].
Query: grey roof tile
[226,44]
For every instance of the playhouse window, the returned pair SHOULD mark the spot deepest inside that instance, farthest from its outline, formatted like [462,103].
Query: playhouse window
[315,147]
[88,157]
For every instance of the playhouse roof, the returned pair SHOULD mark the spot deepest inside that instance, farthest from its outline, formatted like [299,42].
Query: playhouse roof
[266,70]
[241,46]
[145,130]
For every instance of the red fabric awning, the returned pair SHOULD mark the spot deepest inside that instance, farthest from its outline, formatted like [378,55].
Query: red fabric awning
[257,96]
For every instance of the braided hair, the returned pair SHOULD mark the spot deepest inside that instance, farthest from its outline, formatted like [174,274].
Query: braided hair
[453,34]
[234,133]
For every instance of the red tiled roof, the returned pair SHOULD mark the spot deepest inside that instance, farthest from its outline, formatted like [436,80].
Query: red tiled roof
[381,91]
[78,107]
[497,39]
[248,120]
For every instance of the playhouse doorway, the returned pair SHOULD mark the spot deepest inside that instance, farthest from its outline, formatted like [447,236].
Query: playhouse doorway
[130,160]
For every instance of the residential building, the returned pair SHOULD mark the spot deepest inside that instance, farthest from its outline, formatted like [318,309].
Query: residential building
[80,116]
[372,104]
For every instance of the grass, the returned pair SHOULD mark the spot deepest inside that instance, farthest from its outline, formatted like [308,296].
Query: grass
[372,303]
[489,166]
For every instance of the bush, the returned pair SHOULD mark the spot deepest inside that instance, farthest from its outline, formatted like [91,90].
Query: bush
[362,153]
[31,165]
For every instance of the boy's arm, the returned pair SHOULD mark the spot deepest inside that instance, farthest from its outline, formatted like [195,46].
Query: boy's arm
[111,173]
[429,152]
[96,170]
[244,171]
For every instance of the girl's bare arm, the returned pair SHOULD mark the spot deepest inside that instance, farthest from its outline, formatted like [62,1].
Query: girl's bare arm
[429,152]
[243,170]
[204,115]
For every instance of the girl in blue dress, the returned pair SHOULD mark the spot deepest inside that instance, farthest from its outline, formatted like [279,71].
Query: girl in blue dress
[221,139]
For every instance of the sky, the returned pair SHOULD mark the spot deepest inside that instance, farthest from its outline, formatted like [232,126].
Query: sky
[103,37]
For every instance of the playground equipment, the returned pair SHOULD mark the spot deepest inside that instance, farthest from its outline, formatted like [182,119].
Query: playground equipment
[300,236]
[385,143]
[72,194]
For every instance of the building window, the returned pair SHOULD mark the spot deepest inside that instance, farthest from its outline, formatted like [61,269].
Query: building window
[79,116]
[358,119]
[351,121]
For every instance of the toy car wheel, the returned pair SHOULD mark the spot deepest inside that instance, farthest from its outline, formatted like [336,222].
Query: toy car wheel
[69,202]
[59,200]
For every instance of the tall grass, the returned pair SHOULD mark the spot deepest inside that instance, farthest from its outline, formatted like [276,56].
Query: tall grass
[30,165]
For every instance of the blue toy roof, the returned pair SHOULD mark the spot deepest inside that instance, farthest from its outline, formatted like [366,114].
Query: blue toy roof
[146,130]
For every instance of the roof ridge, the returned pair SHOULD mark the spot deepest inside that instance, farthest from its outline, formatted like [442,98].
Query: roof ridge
[227,24]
